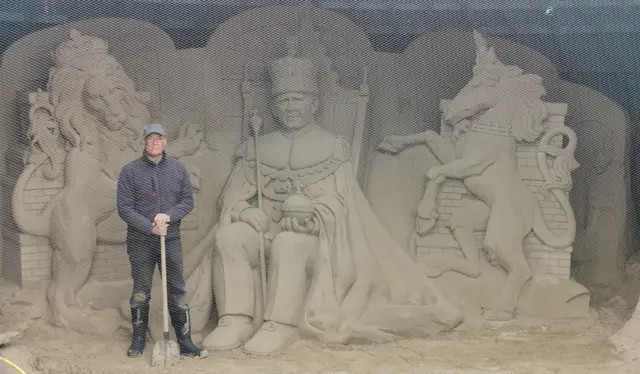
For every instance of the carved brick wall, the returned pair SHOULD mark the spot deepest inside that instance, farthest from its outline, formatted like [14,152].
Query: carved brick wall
[110,262]
[39,191]
[34,256]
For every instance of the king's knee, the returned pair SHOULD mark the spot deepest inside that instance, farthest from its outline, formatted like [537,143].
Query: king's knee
[231,235]
[288,245]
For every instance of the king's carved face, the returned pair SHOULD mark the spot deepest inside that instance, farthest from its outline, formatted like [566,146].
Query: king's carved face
[295,110]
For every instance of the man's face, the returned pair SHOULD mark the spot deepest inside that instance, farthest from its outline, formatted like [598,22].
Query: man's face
[154,144]
[295,110]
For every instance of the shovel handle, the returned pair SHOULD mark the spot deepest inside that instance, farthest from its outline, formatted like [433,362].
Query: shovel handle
[165,301]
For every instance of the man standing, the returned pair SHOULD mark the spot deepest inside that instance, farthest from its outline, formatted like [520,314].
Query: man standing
[336,274]
[154,194]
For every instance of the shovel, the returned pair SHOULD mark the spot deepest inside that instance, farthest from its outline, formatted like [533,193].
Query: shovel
[165,350]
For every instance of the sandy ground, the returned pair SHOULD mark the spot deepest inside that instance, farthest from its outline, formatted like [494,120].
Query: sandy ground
[494,350]
[506,352]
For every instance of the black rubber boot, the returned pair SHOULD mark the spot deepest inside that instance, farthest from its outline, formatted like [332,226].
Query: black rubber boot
[139,321]
[180,319]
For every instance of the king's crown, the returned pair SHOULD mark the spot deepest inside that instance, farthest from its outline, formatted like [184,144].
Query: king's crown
[292,73]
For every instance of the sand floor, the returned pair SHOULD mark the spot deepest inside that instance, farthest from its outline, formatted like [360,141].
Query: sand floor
[496,350]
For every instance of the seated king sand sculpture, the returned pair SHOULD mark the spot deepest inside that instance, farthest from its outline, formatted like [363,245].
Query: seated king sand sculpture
[335,274]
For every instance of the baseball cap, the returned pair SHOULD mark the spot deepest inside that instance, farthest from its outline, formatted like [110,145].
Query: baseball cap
[153,128]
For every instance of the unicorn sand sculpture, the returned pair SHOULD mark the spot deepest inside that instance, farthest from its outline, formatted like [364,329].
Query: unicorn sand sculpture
[499,108]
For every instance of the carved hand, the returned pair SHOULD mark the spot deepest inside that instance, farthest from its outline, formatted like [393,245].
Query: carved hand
[255,218]
[308,226]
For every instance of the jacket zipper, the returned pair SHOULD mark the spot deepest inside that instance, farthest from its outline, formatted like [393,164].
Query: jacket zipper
[157,187]
[159,197]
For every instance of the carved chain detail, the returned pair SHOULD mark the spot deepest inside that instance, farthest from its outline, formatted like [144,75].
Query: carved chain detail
[272,176]
[489,128]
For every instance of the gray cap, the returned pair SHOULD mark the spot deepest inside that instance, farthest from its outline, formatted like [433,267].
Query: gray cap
[153,128]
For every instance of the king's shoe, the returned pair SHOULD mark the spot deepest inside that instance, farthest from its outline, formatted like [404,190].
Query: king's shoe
[232,331]
[271,338]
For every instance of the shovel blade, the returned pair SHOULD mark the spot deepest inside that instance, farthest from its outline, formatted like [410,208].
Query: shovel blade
[164,352]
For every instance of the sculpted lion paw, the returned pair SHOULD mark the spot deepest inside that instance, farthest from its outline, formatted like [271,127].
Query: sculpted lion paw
[192,131]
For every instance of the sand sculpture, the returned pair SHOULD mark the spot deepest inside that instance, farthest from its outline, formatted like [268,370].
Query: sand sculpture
[496,172]
[499,107]
[333,270]
[83,129]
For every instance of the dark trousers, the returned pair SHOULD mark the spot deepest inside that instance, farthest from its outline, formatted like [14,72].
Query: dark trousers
[144,255]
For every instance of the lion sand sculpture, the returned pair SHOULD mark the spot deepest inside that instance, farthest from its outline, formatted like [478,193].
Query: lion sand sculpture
[83,130]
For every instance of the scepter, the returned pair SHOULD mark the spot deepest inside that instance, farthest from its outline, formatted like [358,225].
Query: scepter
[256,124]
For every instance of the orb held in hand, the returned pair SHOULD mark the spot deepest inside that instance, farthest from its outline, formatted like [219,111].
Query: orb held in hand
[297,206]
